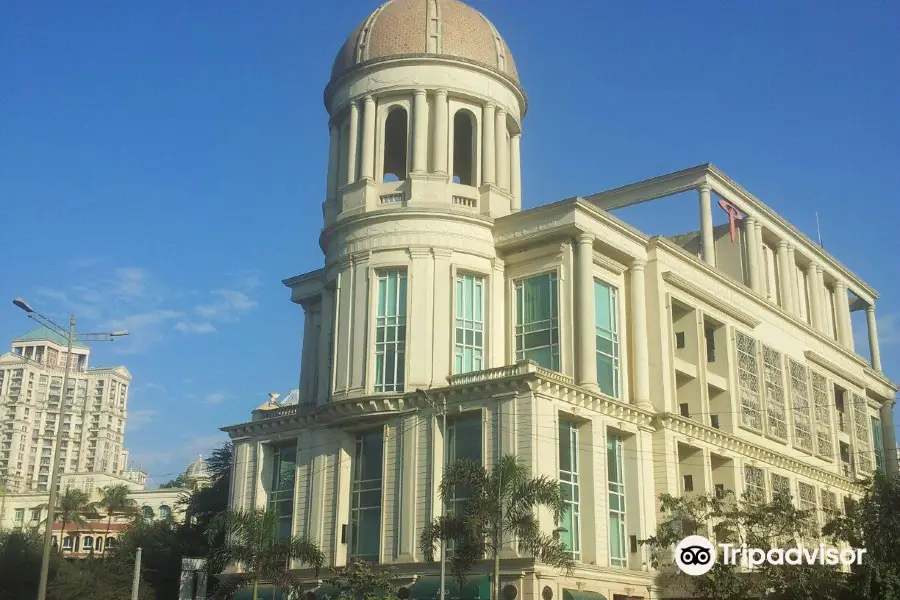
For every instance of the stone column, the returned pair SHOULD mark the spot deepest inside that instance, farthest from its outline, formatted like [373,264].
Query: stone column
[443,340]
[502,151]
[496,314]
[888,437]
[367,168]
[752,254]
[874,350]
[842,315]
[587,350]
[515,172]
[441,127]
[308,356]
[796,300]
[815,295]
[420,132]
[352,143]
[639,339]
[407,483]
[784,277]
[707,241]
[487,150]
[325,349]
[761,249]
[821,293]
[334,157]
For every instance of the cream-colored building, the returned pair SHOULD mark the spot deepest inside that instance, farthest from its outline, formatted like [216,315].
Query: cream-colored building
[624,364]
[31,375]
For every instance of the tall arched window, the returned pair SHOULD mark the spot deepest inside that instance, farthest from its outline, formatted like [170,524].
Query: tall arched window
[147,512]
[464,147]
[396,143]
[164,511]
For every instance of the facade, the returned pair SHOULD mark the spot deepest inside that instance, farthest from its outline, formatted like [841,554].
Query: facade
[623,364]
[27,510]
[31,377]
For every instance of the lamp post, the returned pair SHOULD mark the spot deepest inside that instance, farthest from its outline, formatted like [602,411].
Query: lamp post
[70,337]
[443,412]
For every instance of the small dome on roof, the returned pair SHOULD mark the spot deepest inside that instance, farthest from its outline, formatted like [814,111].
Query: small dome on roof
[197,470]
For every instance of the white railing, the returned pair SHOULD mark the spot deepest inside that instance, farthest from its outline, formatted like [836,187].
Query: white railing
[464,201]
[520,368]
[394,198]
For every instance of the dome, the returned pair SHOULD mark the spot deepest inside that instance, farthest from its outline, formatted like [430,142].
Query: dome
[409,28]
[197,470]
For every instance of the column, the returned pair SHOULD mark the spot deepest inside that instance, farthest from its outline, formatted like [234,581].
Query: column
[502,151]
[325,349]
[443,336]
[419,349]
[707,242]
[824,307]
[761,249]
[420,132]
[352,143]
[874,350]
[815,295]
[784,277]
[586,325]
[407,492]
[842,314]
[308,356]
[497,316]
[752,254]
[515,172]
[888,437]
[796,300]
[334,156]
[639,343]
[367,168]
[487,150]
[441,127]
[357,362]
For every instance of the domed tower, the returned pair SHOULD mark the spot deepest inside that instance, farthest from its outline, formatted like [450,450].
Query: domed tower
[197,474]
[425,114]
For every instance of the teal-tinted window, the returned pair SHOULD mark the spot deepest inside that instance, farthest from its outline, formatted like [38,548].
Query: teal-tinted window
[877,443]
[365,505]
[390,332]
[616,484]
[537,320]
[281,489]
[569,486]
[463,443]
[606,315]
[469,344]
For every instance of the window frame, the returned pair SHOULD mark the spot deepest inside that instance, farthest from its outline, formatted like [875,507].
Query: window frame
[616,303]
[554,273]
[358,488]
[276,498]
[375,274]
[570,479]
[383,108]
[458,273]
[618,443]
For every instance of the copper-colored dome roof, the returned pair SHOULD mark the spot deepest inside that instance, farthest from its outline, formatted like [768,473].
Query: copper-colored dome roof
[446,28]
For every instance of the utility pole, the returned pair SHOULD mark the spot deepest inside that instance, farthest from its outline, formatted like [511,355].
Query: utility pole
[443,411]
[135,584]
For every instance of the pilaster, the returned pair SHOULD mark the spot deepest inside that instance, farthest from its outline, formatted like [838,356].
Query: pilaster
[420,284]
[359,324]
[515,172]
[326,351]
[502,149]
[497,315]
[442,300]
[585,323]
[334,154]
[639,341]
[407,489]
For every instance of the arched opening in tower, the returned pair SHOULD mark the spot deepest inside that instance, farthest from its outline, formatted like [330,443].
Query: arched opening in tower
[464,147]
[395,145]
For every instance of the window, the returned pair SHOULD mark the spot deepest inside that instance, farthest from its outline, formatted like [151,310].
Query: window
[876,442]
[710,334]
[616,482]
[748,380]
[863,425]
[537,320]
[568,484]
[87,543]
[390,331]
[110,542]
[755,484]
[67,543]
[165,512]
[800,400]
[829,505]
[807,495]
[20,515]
[35,514]
[464,147]
[395,145]
[281,491]
[365,506]
[147,512]
[469,350]
[679,340]
[822,413]
[463,443]
[781,485]
[773,380]
[606,314]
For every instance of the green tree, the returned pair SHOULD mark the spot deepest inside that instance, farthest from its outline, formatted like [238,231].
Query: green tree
[728,520]
[178,482]
[362,581]
[20,564]
[873,523]
[250,538]
[75,507]
[95,579]
[116,502]
[500,506]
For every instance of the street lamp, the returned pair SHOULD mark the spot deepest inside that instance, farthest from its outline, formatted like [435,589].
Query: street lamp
[70,337]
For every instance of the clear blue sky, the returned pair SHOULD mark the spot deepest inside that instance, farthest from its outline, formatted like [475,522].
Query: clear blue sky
[162,164]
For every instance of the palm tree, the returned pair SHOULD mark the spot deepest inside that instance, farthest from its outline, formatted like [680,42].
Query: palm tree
[75,507]
[251,540]
[115,501]
[498,505]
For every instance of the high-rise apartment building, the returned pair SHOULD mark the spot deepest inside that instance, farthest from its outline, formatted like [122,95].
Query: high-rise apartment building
[31,379]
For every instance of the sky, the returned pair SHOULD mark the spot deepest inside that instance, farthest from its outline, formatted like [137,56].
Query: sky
[162,164]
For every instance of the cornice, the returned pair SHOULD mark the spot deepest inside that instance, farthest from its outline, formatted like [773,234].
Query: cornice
[609,264]
[686,286]
[694,430]
[821,361]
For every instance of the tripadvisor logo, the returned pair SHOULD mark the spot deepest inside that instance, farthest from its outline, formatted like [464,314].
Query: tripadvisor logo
[696,555]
